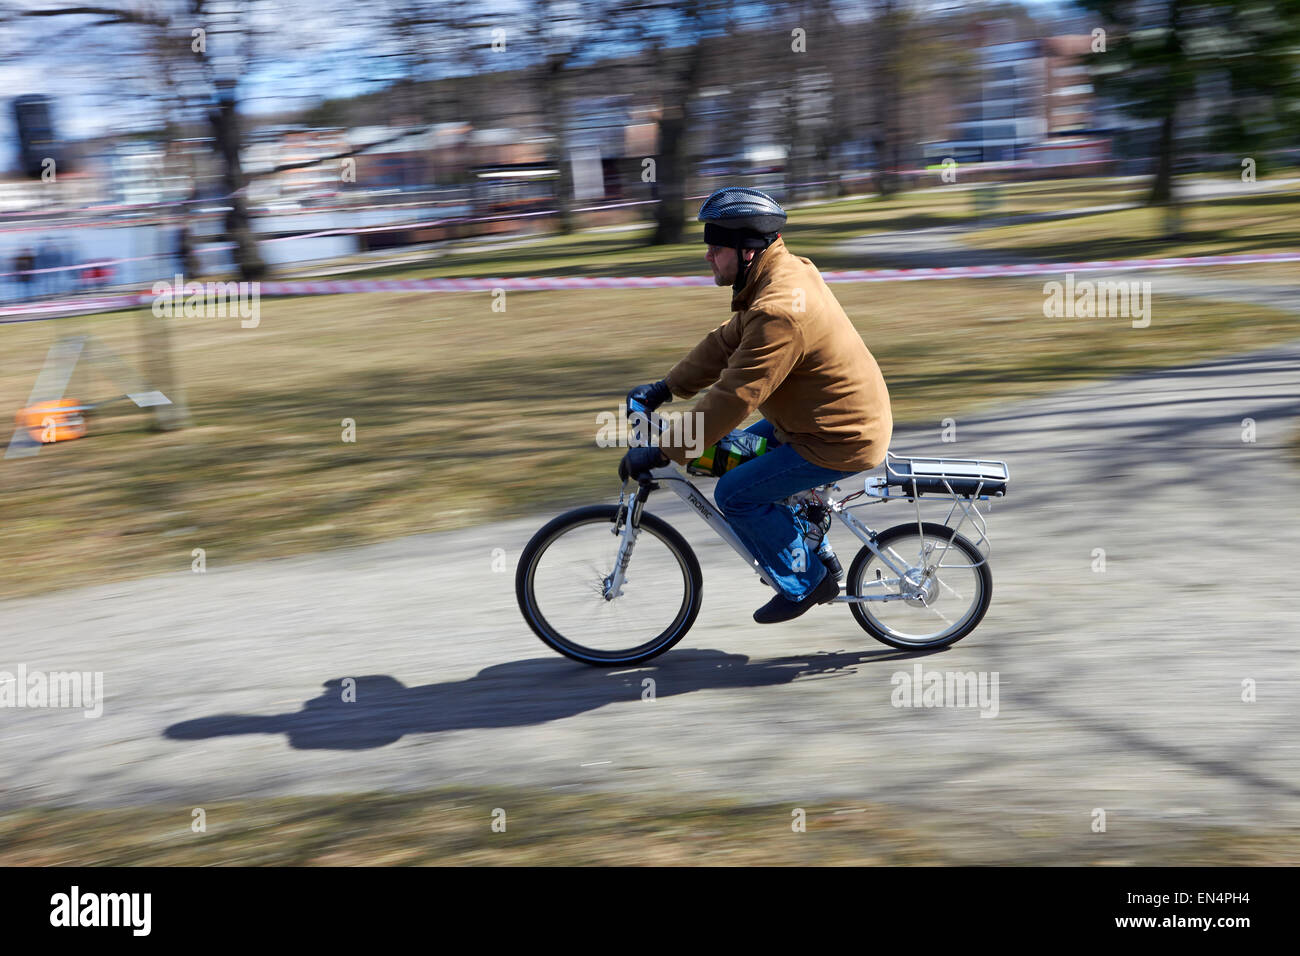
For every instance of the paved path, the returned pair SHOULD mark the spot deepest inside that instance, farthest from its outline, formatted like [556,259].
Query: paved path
[1119,690]
[937,247]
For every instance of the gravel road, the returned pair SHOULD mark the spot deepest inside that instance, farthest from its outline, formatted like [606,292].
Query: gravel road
[1118,689]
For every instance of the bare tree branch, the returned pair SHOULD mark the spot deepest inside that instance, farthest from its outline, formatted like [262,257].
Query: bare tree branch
[110,14]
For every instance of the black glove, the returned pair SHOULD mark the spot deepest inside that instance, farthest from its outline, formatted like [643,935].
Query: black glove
[647,398]
[639,461]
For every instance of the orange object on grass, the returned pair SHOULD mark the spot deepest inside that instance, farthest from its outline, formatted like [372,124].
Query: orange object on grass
[59,420]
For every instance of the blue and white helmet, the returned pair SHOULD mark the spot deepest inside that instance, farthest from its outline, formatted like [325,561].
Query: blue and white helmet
[740,218]
[739,208]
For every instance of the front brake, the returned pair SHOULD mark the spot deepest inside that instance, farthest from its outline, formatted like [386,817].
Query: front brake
[621,515]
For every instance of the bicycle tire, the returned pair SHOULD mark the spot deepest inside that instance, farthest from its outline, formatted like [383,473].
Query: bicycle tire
[551,531]
[969,621]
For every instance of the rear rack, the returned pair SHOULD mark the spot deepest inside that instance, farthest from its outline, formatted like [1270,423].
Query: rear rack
[962,481]
[969,477]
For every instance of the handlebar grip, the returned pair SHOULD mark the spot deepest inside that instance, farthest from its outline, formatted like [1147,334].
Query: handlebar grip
[638,416]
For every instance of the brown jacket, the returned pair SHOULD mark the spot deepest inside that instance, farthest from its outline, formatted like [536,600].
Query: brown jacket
[792,353]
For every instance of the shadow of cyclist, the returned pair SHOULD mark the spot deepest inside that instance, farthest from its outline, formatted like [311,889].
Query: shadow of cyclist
[515,694]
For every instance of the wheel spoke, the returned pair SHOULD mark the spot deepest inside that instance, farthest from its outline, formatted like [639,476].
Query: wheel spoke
[939,607]
[939,614]
[566,573]
[943,584]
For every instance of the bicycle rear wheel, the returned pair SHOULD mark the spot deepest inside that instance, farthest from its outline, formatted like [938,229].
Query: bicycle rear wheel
[560,586]
[947,584]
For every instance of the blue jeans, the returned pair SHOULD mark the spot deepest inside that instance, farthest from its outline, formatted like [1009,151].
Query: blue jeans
[749,496]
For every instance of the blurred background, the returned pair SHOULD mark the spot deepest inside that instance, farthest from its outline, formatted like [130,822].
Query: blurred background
[294,140]
[228,136]
[434,139]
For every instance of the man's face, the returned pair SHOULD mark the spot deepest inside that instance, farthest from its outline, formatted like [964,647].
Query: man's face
[724,263]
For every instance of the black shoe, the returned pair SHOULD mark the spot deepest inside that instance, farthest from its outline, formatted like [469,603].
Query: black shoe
[781,608]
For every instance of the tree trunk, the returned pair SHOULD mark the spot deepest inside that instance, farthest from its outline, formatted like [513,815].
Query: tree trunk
[884,178]
[886,70]
[239,229]
[793,162]
[670,217]
[554,98]
[1163,191]
[1162,187]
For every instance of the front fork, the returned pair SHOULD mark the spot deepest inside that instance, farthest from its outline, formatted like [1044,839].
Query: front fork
[627,525]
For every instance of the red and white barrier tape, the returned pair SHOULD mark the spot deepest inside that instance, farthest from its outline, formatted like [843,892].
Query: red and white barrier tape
[37,311]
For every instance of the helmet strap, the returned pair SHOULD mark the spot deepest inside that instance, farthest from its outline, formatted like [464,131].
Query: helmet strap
[743,267]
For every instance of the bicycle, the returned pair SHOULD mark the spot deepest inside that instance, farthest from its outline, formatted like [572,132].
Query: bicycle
[572,601]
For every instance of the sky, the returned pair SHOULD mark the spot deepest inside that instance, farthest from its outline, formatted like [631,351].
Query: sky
[88,103]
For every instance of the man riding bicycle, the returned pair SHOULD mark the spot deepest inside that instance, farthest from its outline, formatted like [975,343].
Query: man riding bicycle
[790,352]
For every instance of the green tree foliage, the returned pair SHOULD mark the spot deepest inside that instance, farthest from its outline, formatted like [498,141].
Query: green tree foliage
[1231,67]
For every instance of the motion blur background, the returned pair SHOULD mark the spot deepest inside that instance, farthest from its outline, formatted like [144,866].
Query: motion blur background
[463,119]
[277,139]
[271,140]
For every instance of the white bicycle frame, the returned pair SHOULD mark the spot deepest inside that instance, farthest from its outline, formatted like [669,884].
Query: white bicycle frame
[875,489]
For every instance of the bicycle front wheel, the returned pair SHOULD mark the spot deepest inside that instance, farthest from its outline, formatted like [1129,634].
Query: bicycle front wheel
[561,587]
[941,596]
